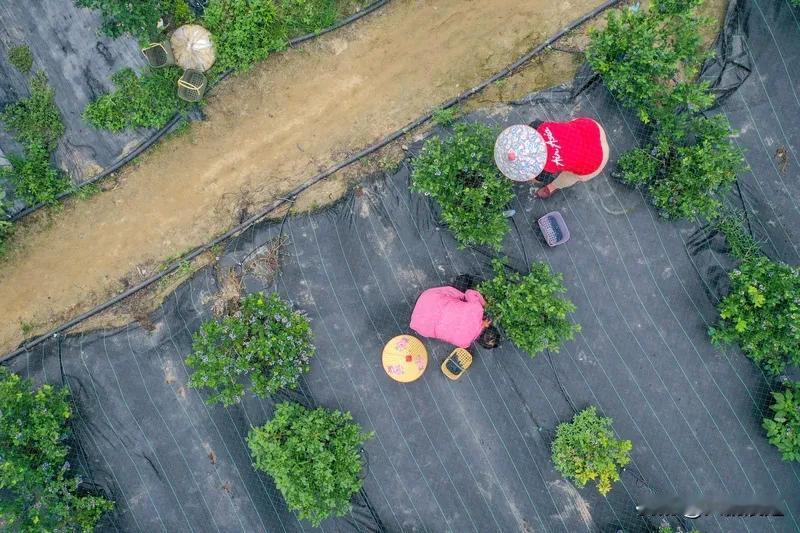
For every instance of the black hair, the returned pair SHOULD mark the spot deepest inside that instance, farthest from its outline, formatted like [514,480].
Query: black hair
[464,282]
[544,177]
[490,338]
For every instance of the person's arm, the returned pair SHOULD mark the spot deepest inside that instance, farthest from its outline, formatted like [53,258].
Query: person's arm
[475,296]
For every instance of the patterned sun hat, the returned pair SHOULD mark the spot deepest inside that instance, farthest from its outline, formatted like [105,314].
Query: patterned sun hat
[520,152]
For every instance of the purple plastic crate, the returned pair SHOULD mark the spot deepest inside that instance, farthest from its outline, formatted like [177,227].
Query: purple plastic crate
[554,228]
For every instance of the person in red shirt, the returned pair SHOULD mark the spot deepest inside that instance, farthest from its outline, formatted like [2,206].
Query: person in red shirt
[556,155]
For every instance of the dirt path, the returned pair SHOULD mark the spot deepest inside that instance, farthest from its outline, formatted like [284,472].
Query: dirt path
[266,132]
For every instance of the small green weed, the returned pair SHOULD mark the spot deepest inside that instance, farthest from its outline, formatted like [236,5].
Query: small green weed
[741,243]
[185,267]
[26,328]
[445,117]
[87,191]
[20,56]
[6,226]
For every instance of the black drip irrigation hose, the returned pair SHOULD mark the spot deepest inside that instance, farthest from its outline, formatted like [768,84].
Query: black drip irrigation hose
[315,179]
[177,118]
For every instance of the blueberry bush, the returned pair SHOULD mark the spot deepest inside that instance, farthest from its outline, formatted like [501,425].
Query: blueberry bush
[40,493]
[650,60]
[762,313]
[685,174]
[530,309]
[264,342]
[313,456]
[460,175]
[783,428]
[586,449]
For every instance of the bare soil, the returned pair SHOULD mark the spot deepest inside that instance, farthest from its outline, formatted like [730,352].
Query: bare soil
[265,133]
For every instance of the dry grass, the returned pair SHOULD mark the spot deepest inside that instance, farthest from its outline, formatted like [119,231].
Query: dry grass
[226,300]
[265,261]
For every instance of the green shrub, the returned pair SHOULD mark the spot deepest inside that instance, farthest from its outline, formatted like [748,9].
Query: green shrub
[530,309]
[264,340]
[460,174]
[445,117]
[139,17]
[36,124]
[648,59]
[685,174]
[39,492]
[146,101]
[586,449]
[20,56]
[783,429]
[35,179]
[313,456]
[246,31]
[36,119]
[762,313]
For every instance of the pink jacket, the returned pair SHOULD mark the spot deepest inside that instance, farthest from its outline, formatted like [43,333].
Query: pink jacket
[447,314]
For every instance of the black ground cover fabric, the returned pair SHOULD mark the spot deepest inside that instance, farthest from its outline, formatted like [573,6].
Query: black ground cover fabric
[67,46]
[473,455]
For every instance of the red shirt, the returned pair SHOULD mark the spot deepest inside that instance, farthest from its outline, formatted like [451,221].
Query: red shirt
[447,314]
[572,146]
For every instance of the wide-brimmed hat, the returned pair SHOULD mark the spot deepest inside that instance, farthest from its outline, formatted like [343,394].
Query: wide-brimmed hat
[520,152]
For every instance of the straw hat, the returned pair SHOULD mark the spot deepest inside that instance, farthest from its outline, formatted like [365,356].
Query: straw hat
[405,358]
[192,47]
[520,152]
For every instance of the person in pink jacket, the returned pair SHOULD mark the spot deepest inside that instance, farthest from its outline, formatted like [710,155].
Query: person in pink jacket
[455,317]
